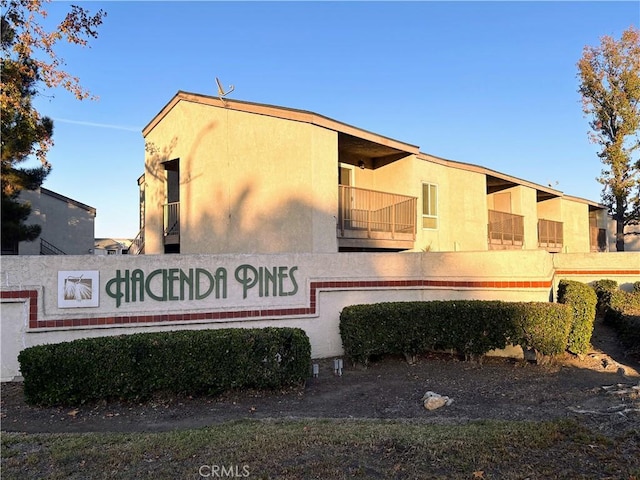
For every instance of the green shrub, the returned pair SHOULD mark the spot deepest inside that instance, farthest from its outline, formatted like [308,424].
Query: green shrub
[623,314]
[628,329]
[604,288]
[470,327]
[582,299]
[544,327]
[134,367]
[627,302]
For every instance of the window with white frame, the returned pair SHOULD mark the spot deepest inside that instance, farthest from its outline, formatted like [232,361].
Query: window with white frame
[429,206]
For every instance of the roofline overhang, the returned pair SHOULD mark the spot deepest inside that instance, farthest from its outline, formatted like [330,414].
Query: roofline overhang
[489,172]
[279,112]
[592,205]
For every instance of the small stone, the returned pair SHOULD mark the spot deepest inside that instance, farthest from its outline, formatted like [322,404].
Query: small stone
[432,403]
[432,400]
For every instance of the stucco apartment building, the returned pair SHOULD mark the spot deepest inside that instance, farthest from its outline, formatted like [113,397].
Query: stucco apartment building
[68,226]
[227,176]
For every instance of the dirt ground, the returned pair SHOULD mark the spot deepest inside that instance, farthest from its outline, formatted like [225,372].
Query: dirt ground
[602,389]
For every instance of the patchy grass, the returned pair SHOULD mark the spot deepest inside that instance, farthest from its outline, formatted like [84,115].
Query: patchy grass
[329,449]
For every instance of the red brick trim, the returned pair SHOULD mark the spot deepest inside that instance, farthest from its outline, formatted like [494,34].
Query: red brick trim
[30,296]
[598,272]
[314,287]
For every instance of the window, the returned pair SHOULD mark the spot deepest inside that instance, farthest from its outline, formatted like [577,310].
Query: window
[429,205]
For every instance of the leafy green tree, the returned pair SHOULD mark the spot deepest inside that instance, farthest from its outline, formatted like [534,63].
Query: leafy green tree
[610,88]
[29,61]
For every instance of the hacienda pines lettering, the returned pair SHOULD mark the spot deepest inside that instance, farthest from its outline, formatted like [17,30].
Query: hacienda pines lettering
[173,284]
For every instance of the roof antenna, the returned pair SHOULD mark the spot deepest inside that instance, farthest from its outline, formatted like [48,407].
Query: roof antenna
[221,92]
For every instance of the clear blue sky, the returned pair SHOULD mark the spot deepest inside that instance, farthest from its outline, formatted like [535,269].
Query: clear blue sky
[489,83]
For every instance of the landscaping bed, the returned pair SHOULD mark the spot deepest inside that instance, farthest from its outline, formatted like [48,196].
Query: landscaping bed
[573,418]
[499,388]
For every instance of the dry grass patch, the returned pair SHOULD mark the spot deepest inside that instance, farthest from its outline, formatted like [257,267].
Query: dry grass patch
[329,449]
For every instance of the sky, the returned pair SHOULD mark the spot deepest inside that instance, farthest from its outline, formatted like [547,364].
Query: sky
[488,83]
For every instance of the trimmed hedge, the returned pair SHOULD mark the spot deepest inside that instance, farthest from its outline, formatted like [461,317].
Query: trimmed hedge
[604,289]
[470,327]
[583,300]
[134,367]
[623,313]
[544,327]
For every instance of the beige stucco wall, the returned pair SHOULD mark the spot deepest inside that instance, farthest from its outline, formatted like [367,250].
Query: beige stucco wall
[575,222]
[590,267]
[464,211]
[526,204]
[462,208]
[248,183]
[550,209]
[65,225]
[575,218]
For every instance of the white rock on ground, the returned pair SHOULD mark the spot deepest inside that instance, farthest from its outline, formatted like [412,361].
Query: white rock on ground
[432,400]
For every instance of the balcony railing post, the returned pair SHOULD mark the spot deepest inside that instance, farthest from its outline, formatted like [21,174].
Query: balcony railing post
[341,207]
[368,216]
[393,217]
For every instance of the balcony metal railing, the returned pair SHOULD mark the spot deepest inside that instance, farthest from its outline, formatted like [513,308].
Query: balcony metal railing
[550,235]
[47,248]
[371,211]
[505,229]
[171,224]
[137,245]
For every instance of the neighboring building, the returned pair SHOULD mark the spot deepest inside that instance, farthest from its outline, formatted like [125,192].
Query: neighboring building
[68,226]
[240,177]
[111,246]
[631,238]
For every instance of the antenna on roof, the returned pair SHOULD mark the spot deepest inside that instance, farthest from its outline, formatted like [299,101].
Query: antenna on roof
[221,92]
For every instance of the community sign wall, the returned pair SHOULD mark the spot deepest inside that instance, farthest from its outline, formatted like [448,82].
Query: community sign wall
[51,299]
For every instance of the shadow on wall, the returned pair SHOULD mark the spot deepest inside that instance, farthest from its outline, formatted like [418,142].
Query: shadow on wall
[66,227]
[245,217]
[283,226]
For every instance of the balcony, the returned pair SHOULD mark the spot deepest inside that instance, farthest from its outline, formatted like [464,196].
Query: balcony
[505,230]
[550,235]
[372,219]
[171,223]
